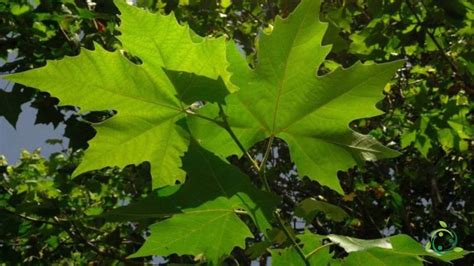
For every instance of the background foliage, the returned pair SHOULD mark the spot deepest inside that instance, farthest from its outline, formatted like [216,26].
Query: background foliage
[428,118]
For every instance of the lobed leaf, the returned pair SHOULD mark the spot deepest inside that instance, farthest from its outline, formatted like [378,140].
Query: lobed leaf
[204,207]
[149,100]
[283,97]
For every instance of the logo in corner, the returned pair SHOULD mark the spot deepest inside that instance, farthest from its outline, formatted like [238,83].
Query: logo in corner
[443,240]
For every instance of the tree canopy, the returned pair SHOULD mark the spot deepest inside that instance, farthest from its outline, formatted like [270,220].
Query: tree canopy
[226,132]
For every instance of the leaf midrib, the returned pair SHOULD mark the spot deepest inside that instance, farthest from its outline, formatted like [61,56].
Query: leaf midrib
[284,76]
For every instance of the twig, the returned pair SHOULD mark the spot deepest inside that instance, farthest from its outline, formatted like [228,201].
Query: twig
[76,234]
[367,214]
[261,172]
[28,218]
[293,240]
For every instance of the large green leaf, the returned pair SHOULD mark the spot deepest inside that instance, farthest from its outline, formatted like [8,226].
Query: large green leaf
[149,101]
[212,233]
[283,97]
[205,207]
[212,183]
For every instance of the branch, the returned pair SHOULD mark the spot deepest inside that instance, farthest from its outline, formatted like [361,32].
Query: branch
[293,240]
[28,218]
[76,234]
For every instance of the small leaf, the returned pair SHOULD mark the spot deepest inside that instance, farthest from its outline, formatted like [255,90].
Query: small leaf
[428,246]
[226,3]
[19,9]
[443,224]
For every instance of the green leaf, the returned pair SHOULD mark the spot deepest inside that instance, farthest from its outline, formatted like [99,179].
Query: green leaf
[192,88]
[212,232]
[379,256]
[148,100]
[19,9]
[211,182]
[443,224]
[205,208]
[287,256]
[162,41]
[283,97]
[311,245]
[226,3]
[144,128]
[308,209]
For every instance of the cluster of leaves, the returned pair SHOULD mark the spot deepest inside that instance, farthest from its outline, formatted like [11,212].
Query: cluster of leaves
[430,111]
[47,217]
[428,107]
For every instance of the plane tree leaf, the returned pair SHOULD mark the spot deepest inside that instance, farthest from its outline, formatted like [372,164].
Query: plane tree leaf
[148,100]
[205,207]
[173,45]
[212,233]
[283,97]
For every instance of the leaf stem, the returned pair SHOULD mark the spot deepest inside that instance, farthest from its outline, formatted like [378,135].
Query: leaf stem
[226,126]
[263,168]
[318,249]
[28,218]
[202,117]
[293,240]
[241,212]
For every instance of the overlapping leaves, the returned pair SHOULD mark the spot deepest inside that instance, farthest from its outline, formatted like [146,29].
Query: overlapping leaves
[395,250]
[205,207]
[282,97]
